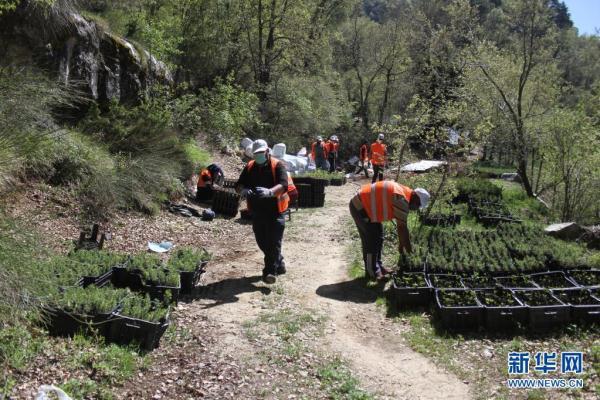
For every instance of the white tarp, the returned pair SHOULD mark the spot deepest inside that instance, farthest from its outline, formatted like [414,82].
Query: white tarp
[279,150]
[422,166]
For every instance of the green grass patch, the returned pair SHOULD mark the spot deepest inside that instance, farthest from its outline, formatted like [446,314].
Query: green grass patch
[488,169]
[337,380]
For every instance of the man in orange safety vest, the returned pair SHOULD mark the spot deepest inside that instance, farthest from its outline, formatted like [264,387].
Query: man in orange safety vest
[378,202]
[378,158]
[264,183]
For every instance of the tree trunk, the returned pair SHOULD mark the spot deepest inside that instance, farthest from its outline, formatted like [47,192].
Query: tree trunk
[522,170]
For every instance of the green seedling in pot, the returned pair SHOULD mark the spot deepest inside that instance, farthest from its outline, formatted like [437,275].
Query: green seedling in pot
[415,280]
[538,298]
[141,307]
[497,298]
[577,297]
[586,278]
[187,259]
[88,301]
[458,298]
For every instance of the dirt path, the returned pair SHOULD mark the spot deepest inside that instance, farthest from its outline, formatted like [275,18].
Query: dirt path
[314,246]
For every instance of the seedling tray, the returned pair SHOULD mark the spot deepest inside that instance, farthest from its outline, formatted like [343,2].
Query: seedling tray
[122,277]
[516,282]
[466,314]
[445,281]
[552,280]
[503,311]
[126,330]
[100,280]
[63,323]
[159,292]
[411,289]
[545,310]
[585,307]
[190,279]
[585,278]
[479,282]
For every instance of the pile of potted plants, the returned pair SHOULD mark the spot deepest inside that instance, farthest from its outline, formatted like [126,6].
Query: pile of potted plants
[477,189]
[96,265]
[190,264]
[140,320]
[76,309]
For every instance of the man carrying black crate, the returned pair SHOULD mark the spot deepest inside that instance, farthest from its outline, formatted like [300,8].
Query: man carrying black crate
[264,184]
[378,202]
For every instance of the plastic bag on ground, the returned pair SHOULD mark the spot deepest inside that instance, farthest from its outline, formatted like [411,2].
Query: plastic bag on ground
[45,390]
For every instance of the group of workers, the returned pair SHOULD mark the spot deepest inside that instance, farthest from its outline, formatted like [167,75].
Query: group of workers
[325,154]
[267,186]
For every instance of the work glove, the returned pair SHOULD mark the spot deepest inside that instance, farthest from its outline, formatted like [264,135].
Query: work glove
[262,192]
[246,193]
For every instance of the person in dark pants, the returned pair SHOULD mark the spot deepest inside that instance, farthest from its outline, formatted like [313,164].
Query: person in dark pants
[363,158]
[332,149]
[378,158]
[378,202]
[264,183]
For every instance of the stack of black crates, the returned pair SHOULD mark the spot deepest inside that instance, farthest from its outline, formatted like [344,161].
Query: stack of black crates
[311,191]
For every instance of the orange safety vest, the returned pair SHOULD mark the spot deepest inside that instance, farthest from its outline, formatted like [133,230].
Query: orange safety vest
[201,182]
[323,145]
[283,200]
[378,151]
[377,199]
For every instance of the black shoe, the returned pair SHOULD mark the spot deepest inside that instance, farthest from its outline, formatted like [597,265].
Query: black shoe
[269,278]
[281,269]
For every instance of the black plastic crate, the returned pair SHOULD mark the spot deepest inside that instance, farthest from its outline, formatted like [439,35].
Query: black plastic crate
[585,277]
[159,292]
[445,281]
[304,194]
[189,279]
[552,313]
[503,311]
[63,323]
[338,181]
[585,307]
[417,293]
[122,277]
[516,282]
[100,280]
[552,280]
[318,200]
[127,330]
[226,202]
[479,282]
[467,316]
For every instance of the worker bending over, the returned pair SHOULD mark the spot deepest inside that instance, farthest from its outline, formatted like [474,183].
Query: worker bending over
[378,202]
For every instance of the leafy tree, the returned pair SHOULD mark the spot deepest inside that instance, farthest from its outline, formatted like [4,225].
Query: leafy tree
[522,76]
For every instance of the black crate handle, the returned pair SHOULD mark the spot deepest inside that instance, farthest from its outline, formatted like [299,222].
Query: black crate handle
[132,326]
[506,313]
[550,312]
[463,313]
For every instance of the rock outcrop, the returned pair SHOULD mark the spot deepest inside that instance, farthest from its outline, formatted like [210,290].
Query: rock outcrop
[80,53]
